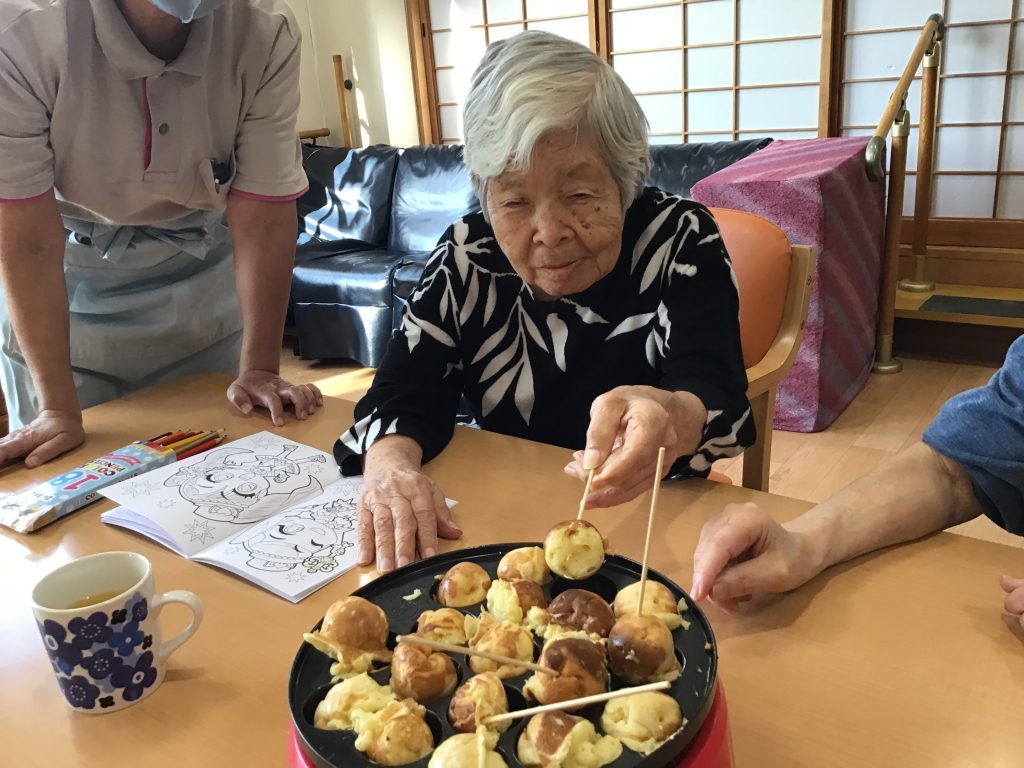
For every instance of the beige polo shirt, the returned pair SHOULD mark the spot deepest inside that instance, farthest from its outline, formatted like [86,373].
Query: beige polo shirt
[125,138]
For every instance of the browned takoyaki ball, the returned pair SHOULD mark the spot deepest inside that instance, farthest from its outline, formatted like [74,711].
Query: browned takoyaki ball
[558,740]
[464,584]
[640,650]
[396,735]
[580,670]
[574,549]
[582,610]
[354,633]
[477,699]
[524,563]
[421,674]
[446,625]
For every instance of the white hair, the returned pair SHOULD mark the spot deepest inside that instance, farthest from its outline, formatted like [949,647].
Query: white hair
[536,82]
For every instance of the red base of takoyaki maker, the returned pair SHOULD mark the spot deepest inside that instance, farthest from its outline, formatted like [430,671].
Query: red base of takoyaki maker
[711,748]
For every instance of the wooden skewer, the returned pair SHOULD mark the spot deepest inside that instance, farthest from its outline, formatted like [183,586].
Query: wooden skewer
[586,492]
[437,645]
[580,702]
[650,525]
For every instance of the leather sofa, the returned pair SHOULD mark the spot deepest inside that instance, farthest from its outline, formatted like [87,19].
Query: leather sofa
[372,216]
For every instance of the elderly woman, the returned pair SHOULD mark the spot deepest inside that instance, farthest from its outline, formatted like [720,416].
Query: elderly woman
[579,308]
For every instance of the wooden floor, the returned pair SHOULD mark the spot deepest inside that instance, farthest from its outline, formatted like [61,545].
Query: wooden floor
[887,416]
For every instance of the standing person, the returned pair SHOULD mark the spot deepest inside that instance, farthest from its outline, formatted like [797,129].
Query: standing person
[128,128]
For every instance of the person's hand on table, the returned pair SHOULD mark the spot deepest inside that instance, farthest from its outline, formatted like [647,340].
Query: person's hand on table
[1014,603]
[742,551]
[46,437]
[627,427]
[401,511]
[268,389]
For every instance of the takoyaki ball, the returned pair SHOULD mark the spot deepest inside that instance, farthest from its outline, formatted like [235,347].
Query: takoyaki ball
[642,721]
[582,610]
[658,601]
[445,625]
[640,650]
[361,692]
[558,740]
[421,674]
[503,639]
[524,563]
[574,549]
[468,750]
[463,584]
[396,735]
[354,633]
[510,600]
[580,670]
[477,699]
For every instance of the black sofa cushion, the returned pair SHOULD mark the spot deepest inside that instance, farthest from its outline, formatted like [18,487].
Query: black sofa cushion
[349,194]
[676,168]
[432,190]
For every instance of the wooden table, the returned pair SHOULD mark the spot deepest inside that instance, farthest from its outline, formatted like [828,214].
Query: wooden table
[901,660]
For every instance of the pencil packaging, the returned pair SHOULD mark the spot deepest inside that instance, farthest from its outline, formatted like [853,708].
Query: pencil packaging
[39,505]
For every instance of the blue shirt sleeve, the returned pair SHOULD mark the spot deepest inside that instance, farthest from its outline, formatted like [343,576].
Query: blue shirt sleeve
[983,431]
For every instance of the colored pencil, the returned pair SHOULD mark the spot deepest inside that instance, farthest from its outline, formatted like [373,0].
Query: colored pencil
[158,437]
[202,437]
[163,442]
[188,440]
[200,448]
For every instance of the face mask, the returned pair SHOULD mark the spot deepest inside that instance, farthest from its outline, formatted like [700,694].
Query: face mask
[188,10]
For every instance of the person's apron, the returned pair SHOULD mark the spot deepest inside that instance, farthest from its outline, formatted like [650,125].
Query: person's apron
[148,305]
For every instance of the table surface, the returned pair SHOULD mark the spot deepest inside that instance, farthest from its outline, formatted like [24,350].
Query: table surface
[903,658]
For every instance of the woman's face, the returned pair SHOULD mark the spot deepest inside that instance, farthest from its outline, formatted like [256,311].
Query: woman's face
[560,221]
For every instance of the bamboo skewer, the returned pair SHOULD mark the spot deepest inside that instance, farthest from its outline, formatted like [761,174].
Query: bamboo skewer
[580,702]
[586,492]
[437,645]
[650,525]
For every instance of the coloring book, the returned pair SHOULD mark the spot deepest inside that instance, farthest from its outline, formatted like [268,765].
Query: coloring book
[270,510]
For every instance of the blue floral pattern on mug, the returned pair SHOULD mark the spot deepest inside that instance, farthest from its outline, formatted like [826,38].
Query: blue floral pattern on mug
[140,609]
[89,631]
[135,679]
[64,656]
[102,664]
[79,691]
[125,640]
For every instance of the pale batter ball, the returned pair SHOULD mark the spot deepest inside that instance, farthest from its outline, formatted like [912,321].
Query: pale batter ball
[640,650]
[446,625]
[503,639]
[525,563]
[396,735]
[421,674]
[361,692]
[574,549]
[468,750]
[477,699]
[511,600]
[580,667]
[658,601]
[642,721]
[464,584]
[558,740]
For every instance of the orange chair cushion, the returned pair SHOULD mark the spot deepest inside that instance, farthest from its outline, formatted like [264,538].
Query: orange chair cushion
[760,254]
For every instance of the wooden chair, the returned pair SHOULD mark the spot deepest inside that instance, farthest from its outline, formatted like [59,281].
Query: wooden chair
[774,281]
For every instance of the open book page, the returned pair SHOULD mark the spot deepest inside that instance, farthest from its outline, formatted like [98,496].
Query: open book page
[297,551]
[212,496]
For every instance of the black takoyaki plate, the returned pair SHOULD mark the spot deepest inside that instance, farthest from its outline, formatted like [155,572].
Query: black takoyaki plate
[310,677]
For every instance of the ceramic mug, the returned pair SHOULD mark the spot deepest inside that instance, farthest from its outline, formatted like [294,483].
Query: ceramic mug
[98,618]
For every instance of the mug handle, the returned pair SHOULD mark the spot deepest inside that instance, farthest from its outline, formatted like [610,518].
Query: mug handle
[194,603]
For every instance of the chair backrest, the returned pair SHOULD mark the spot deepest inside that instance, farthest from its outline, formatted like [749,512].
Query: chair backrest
[677,167]
[761,257]
[432,190]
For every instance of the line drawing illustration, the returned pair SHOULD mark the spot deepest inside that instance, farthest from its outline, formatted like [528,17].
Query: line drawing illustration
[239,485]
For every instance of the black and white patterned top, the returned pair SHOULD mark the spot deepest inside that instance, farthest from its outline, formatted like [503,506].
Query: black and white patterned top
[667,316]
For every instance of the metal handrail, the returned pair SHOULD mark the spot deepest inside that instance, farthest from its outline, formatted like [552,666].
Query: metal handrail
[934,31]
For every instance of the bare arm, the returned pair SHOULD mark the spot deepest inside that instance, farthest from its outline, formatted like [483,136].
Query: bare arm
[264,235]
[32,269]
[743,551]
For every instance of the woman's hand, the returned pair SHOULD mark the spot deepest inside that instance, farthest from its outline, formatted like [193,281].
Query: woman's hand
[401,511]
[50,434]
[1014,604]
[742,551]
[627,427]
[269,390]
